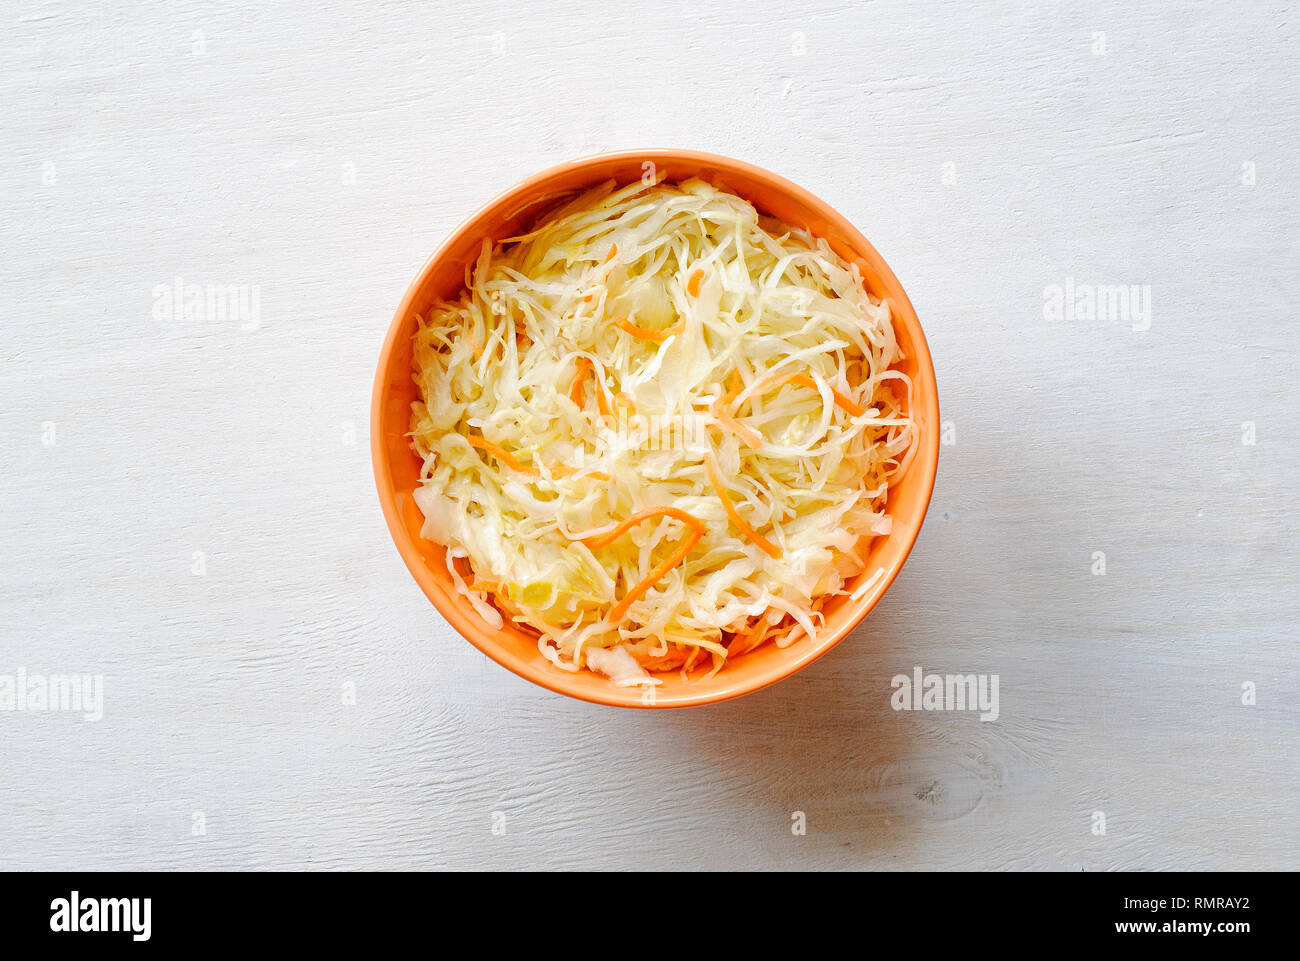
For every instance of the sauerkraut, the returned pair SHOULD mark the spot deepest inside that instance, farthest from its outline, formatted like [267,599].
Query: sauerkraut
[658,430]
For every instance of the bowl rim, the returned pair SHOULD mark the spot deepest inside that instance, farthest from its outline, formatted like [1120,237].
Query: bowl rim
[545,675]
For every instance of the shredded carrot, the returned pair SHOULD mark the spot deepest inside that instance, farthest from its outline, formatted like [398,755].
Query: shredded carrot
[575,389]
[645,333]
[693,284]
[750,436]
[757,638]
[666,663]
[767,546]
[697,530]
[609,537]
[639,590]
[562,471]
[672,657]
[721,410]
[506,458]
[500,454]
[737,642]
[845,403]
[625,400]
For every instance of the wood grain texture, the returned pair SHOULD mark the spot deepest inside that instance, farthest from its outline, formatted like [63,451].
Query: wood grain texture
[320,159]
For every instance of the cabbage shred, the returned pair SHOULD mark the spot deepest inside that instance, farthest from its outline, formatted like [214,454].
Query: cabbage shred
[664,358]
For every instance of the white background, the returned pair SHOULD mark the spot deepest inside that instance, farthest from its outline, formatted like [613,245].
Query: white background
[188,506]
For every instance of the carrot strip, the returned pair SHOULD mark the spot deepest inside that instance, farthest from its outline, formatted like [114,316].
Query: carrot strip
[613,252]
[672,657]
[751,437]
[500,454]
[645,333]
[846,404]
[767,546]
[575,389]
[666,663]
[506,458]
[609,537]
[721,411]
[693,284]
[697,530]
[758,639]
[562,471]
[653,578]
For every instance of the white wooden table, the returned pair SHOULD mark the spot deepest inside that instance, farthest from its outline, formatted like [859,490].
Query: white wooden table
[188,508]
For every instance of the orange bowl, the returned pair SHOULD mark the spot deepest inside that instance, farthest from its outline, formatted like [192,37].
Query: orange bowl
[397,468]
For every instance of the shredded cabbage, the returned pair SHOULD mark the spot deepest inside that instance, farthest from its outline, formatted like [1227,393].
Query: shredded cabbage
[658,427]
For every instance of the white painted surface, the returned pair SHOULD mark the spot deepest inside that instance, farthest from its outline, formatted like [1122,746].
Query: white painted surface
[143,143]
